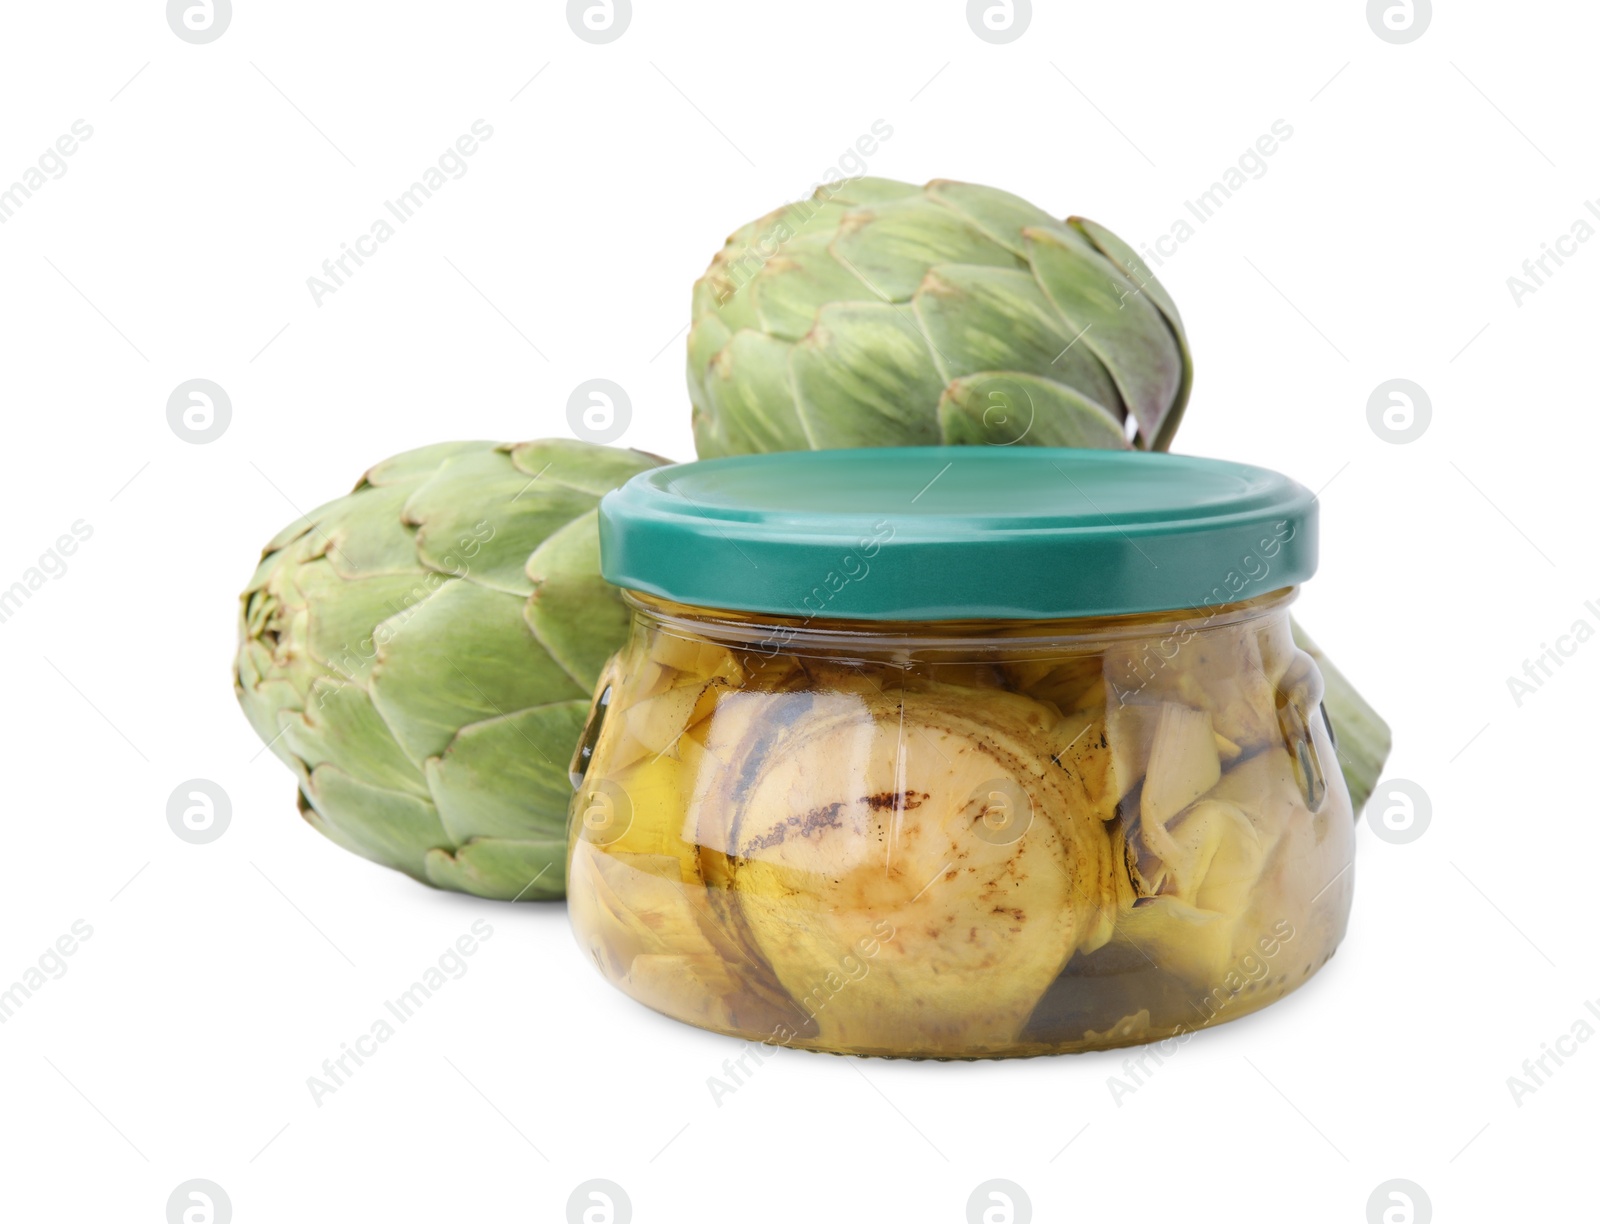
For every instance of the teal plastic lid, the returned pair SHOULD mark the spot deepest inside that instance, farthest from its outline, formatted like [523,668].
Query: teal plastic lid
[950,533]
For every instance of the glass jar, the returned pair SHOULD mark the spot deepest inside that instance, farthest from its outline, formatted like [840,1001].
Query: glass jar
[963,807]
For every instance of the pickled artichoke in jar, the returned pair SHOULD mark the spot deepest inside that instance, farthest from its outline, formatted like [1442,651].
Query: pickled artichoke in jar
[897,852]
[1005,754]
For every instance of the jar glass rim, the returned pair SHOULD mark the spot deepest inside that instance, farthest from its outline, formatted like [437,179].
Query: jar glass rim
[772,634]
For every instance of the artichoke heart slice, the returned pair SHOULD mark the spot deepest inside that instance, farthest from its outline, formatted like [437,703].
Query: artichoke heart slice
[1084,749]
[1193,944]
[1243,860]
[916,871]
[1220,857]
[1221,670]
[642,927]
[1184,764]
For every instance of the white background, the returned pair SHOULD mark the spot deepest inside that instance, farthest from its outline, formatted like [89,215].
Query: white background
[177,246]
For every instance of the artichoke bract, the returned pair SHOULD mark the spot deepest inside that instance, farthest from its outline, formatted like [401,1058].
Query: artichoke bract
[421,653]
[878,313]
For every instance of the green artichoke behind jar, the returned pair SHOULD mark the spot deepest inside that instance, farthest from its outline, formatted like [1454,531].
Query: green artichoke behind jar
[882,314]
[421,652]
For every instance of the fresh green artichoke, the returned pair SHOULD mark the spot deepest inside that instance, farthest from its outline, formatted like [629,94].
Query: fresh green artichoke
[881,314]
[422,652]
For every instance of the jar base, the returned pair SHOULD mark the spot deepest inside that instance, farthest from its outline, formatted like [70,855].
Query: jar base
[1124,1035]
